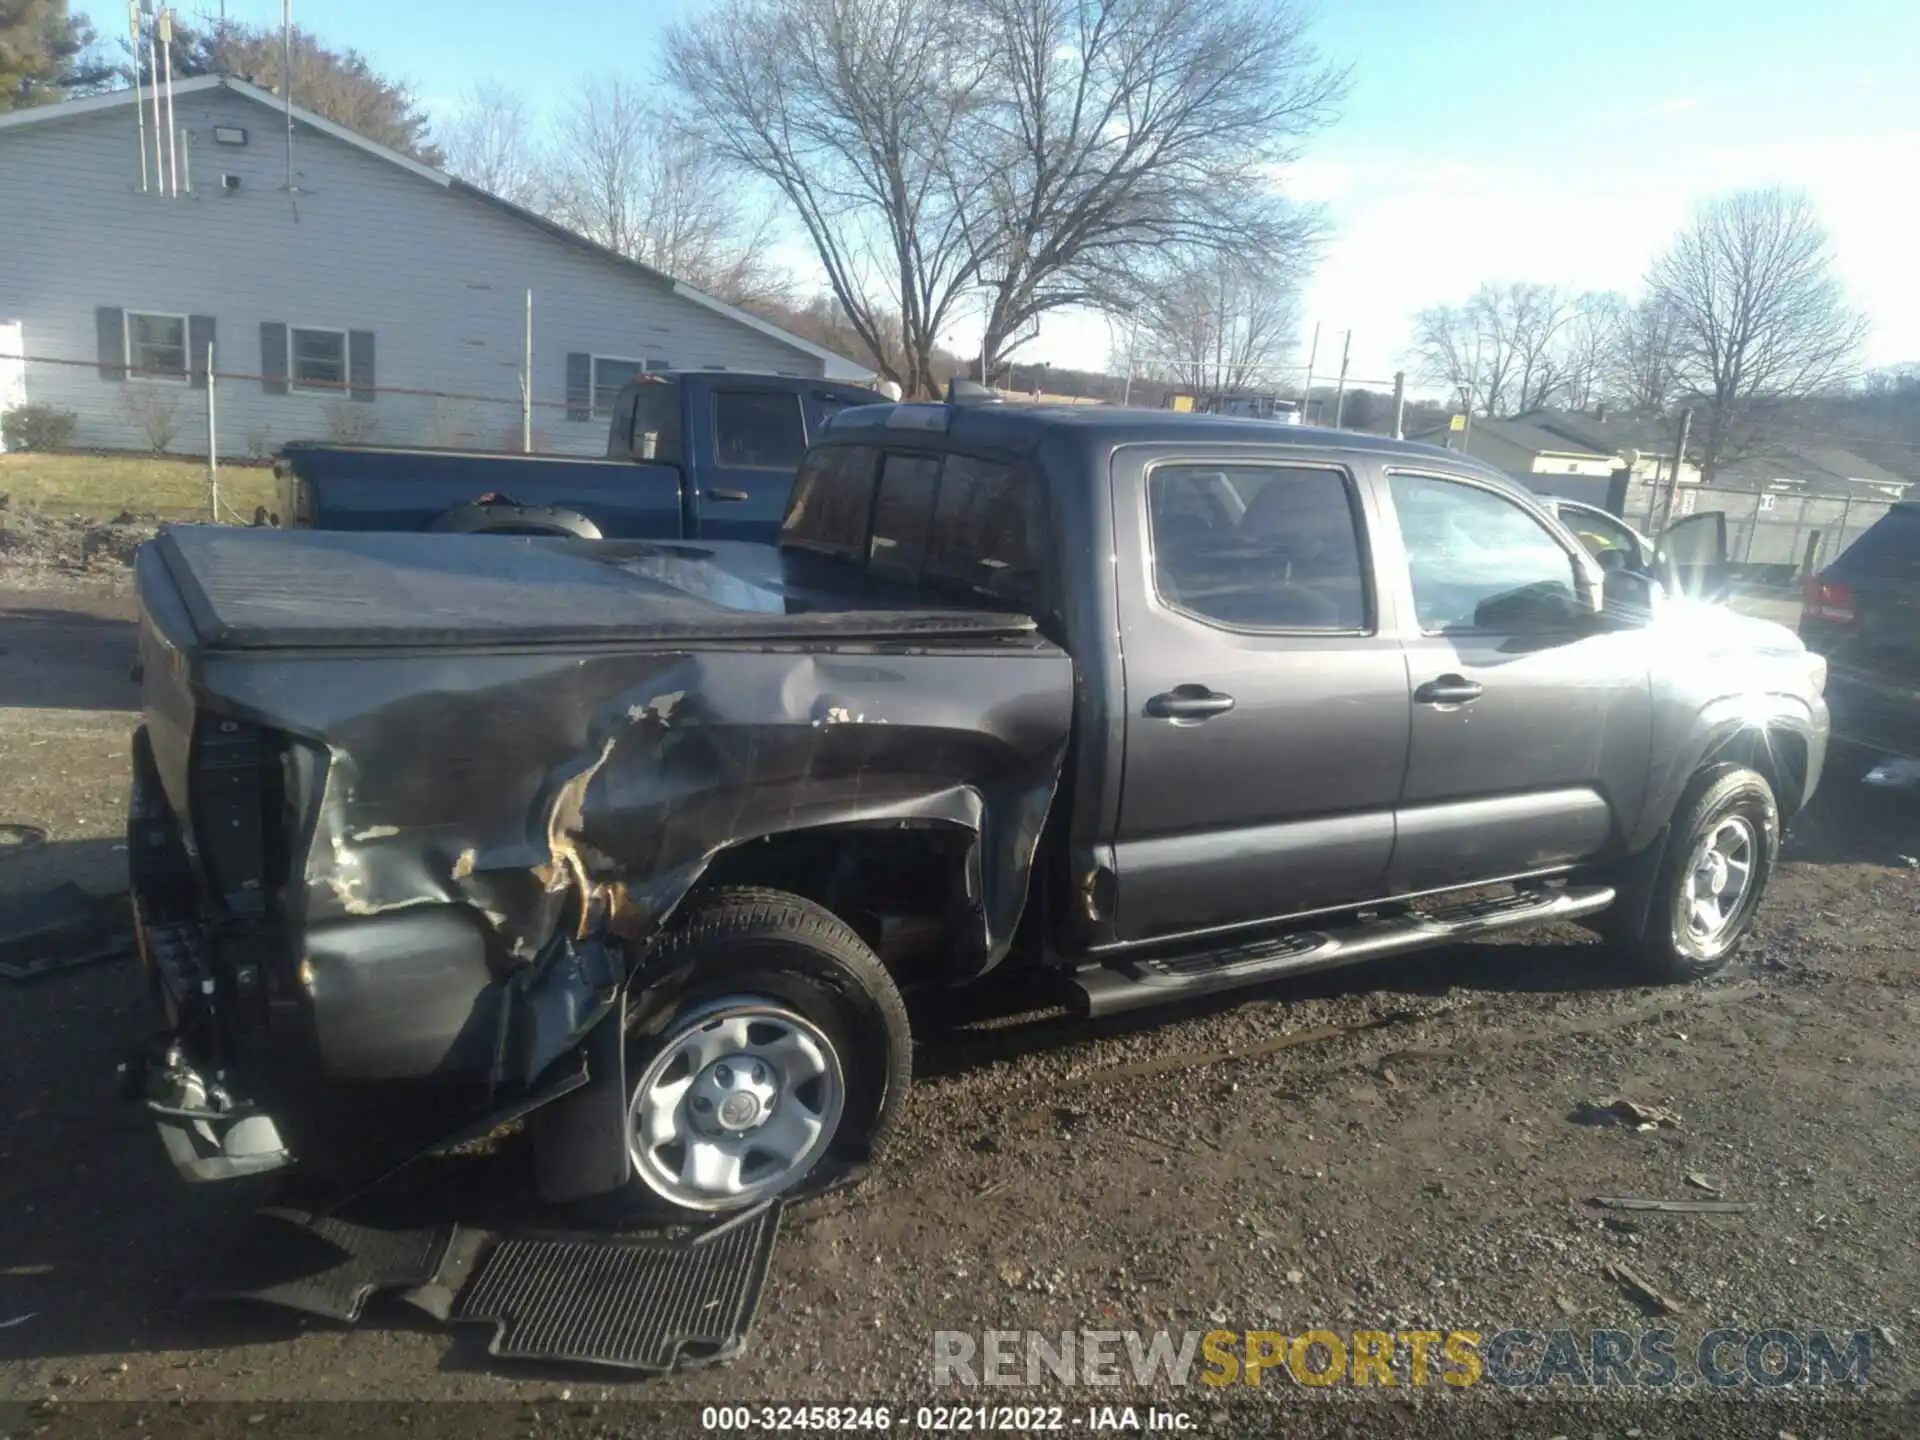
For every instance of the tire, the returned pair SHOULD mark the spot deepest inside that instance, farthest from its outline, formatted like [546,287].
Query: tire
[774,1020]
[1729,813]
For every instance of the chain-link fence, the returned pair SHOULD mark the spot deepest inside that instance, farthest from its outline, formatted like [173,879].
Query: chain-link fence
[198,411]
[1775,535]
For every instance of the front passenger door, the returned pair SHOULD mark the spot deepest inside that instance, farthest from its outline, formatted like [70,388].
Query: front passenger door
[1530,732]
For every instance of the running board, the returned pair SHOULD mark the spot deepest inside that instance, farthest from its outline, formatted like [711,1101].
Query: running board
[1154,980]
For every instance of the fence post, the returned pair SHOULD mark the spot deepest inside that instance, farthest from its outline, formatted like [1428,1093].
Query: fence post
[1810,561]
[213,440]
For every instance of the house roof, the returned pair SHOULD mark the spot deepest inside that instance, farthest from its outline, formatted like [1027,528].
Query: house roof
[1822,469]
[839,367]
[1609,435]
[1524,435]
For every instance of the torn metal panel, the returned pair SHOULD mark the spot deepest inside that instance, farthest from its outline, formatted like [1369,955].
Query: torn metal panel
[527,787]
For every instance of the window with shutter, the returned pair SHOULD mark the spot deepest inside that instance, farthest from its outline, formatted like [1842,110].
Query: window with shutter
[273,357]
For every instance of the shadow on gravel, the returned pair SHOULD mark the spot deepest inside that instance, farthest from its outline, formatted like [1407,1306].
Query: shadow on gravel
[76,655]
[1013,1020]
[1850,823]
[99,1238]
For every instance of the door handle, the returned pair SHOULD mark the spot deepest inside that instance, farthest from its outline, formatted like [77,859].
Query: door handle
[1449,690]
[731,496]
[1189,702]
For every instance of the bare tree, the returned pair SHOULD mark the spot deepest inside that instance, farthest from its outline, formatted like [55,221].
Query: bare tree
[1640,362]
[1587,345]
[1507,348]
[1758,315]
[490,142]
[852,109]
[1534,318]
[1453,350]
[1214,325]
[625,175]
[1039,151]
[1108,131]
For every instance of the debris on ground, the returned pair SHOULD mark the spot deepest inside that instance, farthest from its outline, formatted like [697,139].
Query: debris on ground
[1642,1289]
[1705,1182]
[1618,1110]
[1675,1207]
[32,539]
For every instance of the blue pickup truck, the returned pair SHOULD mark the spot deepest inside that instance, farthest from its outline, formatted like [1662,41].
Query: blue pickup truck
[708,454]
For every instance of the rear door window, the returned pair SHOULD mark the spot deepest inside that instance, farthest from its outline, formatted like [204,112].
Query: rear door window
[903,515]
[832,502]
[987,531]
[758,429]
[1258,547]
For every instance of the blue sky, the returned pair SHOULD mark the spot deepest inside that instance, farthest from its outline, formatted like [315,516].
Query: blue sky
[1481,141]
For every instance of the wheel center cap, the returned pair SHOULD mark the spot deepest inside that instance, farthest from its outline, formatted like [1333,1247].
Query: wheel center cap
[733,1094]
[1713,872]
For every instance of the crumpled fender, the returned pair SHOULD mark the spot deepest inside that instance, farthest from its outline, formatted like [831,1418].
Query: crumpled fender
[549,791]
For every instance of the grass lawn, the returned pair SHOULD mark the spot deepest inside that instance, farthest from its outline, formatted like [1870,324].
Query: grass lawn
[104,485]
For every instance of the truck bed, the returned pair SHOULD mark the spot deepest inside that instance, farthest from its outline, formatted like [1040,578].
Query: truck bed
[259,589]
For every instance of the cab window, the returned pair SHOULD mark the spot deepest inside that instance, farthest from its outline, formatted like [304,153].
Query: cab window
[1479,560]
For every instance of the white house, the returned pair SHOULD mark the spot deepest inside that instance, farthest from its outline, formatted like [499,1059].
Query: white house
[344,290]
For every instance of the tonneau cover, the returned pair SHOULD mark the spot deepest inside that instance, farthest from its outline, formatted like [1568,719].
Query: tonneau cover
[252,589]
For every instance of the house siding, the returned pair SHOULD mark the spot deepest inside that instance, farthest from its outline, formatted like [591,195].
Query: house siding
[437,277]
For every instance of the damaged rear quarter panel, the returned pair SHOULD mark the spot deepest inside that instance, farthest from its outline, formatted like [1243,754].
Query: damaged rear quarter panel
[507,784]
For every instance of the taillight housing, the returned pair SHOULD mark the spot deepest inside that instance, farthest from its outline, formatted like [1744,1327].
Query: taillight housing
[1829,600]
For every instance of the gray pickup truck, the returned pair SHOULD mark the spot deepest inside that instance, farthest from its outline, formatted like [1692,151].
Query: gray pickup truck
[650,843]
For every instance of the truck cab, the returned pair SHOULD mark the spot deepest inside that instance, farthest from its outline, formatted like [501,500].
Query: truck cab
[689,454]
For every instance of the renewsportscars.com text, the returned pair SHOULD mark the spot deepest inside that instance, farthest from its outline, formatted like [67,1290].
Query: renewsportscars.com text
[1514,1358]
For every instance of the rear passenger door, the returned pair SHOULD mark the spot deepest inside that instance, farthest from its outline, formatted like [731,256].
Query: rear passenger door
[1531,723]
[1266,702]
[757,439]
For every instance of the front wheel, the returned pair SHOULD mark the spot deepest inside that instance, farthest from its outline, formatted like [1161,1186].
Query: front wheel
[774,1043]
[1724,842]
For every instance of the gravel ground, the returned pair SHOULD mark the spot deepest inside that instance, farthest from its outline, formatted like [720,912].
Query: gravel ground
[1406,1146]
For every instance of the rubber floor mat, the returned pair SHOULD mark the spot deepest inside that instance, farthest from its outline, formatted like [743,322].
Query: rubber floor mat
[640,1302]
[325,1265]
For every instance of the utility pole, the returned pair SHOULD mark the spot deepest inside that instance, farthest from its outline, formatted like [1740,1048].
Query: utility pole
[1399,404]
[1673,479]
[1340,390]
[1306,396]
[286,79]
[526,383]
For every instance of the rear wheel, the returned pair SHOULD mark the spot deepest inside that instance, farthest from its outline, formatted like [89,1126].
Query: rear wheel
[774,1047]
[1724,841]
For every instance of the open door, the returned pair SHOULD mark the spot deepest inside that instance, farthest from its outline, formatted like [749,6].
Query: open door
[1692,558]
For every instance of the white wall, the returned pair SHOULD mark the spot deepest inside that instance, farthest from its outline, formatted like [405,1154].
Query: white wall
[13,372]
[438,276]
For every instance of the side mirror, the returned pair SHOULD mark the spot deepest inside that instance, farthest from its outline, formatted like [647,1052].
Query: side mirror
[1631,597]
